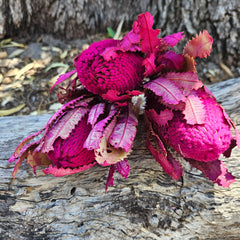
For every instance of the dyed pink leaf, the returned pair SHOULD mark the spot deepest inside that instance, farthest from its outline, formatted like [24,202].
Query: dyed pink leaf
[200,46]
[163,157]
[59,172]
[194,110]
[110,179]
[186,80]
[120,100]
[160,119]
[63,127]
[172,40]
[172,60]
[214,171]
[109,53]
[62,78]
[123,168]
[130,42]
[231,124]
[75,103]
[107,154]
[166,89]
[21,148]
[24,152]
[232,145]
[95,112]
[189,64]
[125,129]
[148,36]
[94,138]
[149,64]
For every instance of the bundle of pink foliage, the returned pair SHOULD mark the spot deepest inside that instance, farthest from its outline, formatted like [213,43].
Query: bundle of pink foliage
[98,122]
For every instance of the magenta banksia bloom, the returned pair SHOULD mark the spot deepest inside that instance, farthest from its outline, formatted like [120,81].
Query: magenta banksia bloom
[98,122]
[98,74]
[84,132]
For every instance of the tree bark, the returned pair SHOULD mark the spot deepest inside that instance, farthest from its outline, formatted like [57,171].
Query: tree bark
[73,19]
[147,205]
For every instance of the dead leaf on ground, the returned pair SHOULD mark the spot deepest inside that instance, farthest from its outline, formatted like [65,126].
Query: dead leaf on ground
[11,111]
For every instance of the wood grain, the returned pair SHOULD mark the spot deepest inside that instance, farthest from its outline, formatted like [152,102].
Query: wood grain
[148,205]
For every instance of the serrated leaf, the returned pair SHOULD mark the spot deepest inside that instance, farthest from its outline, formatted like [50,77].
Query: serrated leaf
[63,127]
[106,154]
[160,119]
[110,178]
[169,164]
[194,110]
[62,78]
[172,60]
[20,148]
[214,171]
[172,40]
[94,138]
[148,36]
[149,64]
[200,46]
[166,89]
[186,80]
[109,53]
[130,42]
[125,129]
[189,64]
[95,112]
[60,172]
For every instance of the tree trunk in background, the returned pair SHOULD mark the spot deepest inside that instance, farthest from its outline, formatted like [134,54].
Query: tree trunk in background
[71,19]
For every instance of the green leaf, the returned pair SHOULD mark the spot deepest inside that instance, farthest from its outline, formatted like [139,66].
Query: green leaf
[111,32]
[56,65]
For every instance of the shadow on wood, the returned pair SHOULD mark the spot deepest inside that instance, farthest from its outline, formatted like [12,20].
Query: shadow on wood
[148,205]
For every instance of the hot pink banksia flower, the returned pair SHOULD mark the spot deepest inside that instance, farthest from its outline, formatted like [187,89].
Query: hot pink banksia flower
[98,122]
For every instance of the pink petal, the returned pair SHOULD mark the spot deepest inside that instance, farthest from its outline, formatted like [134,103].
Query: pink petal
[166,89]
[200,46]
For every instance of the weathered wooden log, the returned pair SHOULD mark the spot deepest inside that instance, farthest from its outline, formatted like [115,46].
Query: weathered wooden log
[147,205]
[73,19]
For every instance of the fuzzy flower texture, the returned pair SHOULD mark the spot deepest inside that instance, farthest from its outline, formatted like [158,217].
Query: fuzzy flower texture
[98,121]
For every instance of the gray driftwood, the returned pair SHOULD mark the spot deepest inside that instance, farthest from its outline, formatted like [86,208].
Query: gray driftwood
[73,19]
[148,205]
